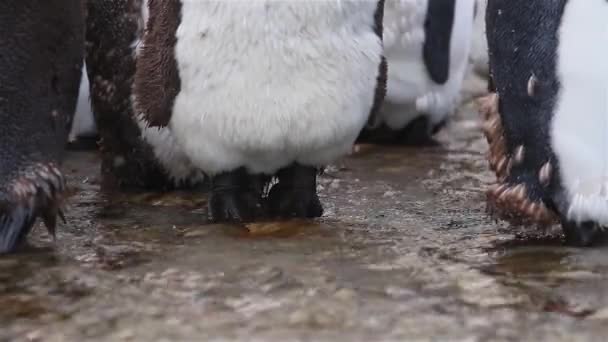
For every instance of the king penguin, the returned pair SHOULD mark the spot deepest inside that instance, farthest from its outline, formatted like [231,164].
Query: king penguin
[547,122]
[427,47]
[259,90]
[41,53]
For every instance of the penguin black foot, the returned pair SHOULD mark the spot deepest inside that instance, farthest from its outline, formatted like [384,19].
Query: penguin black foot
[583,234]
[418,133]
[236,196]
[36,193]
[88,143]
[295,195]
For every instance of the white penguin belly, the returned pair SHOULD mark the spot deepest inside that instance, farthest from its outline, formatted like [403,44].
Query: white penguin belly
[166,150]
[580,122]
[479,48]
[267,83]
[84,122]
[410,90]
[403,41]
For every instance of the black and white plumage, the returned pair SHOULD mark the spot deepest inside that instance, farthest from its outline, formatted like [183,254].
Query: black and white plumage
[548,121]
[281,93]
[83,125]
[427,47]
[479,47]
[133,155]
[41,52]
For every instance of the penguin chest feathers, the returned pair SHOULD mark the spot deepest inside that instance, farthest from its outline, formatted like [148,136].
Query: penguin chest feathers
[267,83]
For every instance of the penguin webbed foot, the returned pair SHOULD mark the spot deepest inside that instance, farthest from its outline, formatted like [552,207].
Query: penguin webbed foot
[236,196]
[583,234]
[418,133]
[295,195]
[39,193]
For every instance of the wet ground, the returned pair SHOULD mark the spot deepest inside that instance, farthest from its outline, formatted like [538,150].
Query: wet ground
[404,251]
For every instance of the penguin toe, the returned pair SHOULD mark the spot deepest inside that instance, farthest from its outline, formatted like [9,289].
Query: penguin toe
[288,202]
[417,133]
[236,196]
[235,206]
[36,193]
[295,195]
[420,133]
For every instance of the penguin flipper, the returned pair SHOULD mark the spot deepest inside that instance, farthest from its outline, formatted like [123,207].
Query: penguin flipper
[382,77]
[157,80]
[438,32]
[114,30]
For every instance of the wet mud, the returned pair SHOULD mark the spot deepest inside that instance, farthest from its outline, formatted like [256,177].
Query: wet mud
[404,252]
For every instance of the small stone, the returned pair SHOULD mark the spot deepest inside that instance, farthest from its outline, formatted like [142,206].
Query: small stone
[389,194]
[299,317]
[173,321]
[119,161]
[8,262]
[398,292]
[345,294]
[575,275]
[262,228]
[126,334]
[35,335]
[196,233]
[170,272]
[601,314]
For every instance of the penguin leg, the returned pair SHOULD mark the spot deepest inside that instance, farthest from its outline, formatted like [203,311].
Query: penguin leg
[39,77]
[295,195]
[417,133]
[236,196]
[420,132]
[582,234]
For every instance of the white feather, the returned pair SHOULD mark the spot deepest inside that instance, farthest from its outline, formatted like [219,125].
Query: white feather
[268,83]
[580,122]
[84,122]
[479,48]
[169,154]
[166,150]
[411,91]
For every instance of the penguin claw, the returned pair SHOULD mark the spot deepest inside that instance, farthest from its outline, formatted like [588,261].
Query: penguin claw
[60,213]
[49,217]
[236,196]
[234,207]
[37,193]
